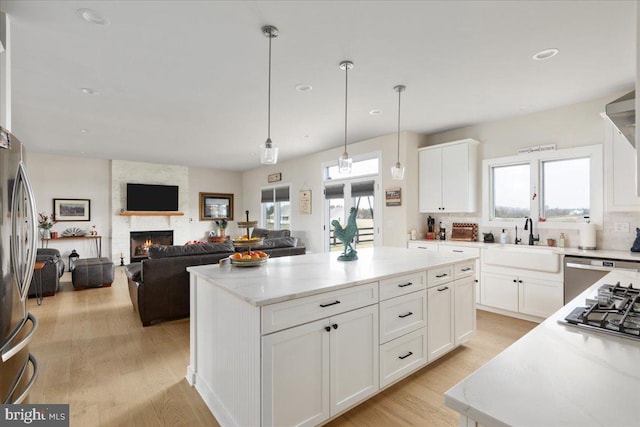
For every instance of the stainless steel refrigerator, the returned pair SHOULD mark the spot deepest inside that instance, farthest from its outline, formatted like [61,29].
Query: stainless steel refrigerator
[18,245]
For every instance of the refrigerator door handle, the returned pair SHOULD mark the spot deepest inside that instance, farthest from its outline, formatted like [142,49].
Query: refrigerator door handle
[24,236]
[9,352]
[25,392]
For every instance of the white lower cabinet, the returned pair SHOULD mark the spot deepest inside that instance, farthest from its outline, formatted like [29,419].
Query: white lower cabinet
[464,317]
[440,320]
[313,371]
[522,294]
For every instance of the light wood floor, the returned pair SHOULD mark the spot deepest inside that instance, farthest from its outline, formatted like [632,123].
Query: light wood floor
[95,355]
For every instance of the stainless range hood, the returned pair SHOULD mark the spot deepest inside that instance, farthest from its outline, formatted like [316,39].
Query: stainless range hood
[622,112]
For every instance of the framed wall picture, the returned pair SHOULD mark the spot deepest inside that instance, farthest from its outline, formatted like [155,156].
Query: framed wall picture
[393,197]
[274,177]
[72,209]
[305,202]
[215,206]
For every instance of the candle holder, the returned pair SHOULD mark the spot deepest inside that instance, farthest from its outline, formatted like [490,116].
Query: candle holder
[121,260]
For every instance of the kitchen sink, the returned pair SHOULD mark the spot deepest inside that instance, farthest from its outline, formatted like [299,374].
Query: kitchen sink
[527,257]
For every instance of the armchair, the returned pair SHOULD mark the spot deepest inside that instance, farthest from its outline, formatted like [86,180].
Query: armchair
[50,273]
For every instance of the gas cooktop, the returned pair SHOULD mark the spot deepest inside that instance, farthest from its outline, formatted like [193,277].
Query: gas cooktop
[614,310]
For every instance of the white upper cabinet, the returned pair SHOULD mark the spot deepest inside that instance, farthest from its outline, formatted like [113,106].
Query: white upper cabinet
[620,171]
[449,177]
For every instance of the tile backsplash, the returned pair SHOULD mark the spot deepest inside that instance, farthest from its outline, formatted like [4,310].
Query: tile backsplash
[606,238]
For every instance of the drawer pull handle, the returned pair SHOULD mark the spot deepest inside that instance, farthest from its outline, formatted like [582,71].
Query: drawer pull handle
[327,328]
[443,289]
[406,355]
[440,276]
[329,304]
[402,316]
[335,326]
[458,250]
[466,269]
[406,284]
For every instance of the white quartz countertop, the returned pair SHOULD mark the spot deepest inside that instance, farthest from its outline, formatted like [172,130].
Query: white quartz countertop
[286,278]
[597,253]
[558,375]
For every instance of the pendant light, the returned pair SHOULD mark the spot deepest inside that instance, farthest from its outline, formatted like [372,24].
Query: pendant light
[269,151]
[344,161]
[397,171]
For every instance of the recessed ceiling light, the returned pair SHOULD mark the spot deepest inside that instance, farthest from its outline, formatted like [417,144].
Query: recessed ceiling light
[304,88]
[375,112]
[88,91]
[84,131]
[545,54]
[92,16]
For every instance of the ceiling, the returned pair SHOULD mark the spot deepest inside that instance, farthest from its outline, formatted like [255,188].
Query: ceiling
[185,82]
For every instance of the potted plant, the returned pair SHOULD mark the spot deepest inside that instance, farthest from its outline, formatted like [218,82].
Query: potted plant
[222,225]
[45,222]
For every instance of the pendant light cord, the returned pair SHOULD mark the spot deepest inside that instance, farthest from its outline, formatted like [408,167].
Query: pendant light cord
[399,94]
[269,95]
[346,89]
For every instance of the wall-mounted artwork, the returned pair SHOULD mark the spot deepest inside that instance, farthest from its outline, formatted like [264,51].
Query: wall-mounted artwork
[216,206]
[72,209]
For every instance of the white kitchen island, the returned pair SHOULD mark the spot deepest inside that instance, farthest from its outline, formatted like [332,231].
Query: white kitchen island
[557,375]
[302,339]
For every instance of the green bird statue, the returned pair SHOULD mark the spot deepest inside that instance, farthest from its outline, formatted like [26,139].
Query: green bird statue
[346,235]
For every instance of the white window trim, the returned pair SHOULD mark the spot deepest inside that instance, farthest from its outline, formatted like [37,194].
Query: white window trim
[356,158]
[263,219]
[594,152]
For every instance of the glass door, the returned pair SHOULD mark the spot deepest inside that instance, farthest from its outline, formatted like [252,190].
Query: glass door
[339,199]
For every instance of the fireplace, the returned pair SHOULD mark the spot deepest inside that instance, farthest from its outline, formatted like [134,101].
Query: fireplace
[140,241]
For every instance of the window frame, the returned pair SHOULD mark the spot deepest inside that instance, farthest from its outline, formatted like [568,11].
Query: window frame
[535,160]
[276,206]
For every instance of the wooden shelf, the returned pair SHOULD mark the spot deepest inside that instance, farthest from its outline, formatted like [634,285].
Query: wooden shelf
[150,213]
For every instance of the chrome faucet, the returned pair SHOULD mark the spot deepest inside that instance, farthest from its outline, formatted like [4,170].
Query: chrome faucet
[526,227]
[517,240]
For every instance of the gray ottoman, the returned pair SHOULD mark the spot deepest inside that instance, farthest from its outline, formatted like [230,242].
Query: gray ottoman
[92,273]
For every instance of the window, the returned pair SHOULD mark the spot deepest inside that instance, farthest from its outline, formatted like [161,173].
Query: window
[565,189]
[358,168]
[276,208]
[510,192]
[556,188]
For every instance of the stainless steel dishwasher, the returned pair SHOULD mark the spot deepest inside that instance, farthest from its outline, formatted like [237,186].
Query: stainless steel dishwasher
[582,272]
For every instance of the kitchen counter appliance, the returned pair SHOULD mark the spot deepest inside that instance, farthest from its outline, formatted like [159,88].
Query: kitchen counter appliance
[582,272]
[615,310]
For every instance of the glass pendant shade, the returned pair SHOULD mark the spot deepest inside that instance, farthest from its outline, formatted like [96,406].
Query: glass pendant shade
[344,163]
[397,171]
[268,153]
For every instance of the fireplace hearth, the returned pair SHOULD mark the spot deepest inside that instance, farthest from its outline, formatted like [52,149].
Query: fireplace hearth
[140,241]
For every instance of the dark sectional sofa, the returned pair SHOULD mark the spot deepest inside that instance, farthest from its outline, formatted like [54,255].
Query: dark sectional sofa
[159,286]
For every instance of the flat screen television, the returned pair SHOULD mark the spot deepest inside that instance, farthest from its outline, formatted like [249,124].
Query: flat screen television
[149,197]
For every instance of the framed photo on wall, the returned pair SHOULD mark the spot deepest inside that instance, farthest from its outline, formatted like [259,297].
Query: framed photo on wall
[72,209]
[215,206]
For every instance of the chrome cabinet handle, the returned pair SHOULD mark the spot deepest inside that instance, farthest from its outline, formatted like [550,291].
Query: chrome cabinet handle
[36,369]
[458,250]
[9,352]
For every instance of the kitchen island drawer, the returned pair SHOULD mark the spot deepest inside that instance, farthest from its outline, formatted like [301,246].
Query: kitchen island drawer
[403,314]
[400,285]
[465,269]
[466,250]
[294,312]
[438,276]
[402,355]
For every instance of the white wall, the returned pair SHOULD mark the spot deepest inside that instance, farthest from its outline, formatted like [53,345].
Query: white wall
[64,177]
[305,173]
[5,72]
[212,181]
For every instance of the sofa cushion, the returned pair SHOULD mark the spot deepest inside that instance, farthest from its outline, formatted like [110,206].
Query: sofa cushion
[278,242]
[270,234]
[162,251]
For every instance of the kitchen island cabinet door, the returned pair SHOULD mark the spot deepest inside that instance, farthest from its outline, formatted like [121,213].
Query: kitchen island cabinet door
[354,357]
[439,320]
[464,310]
[295,376]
